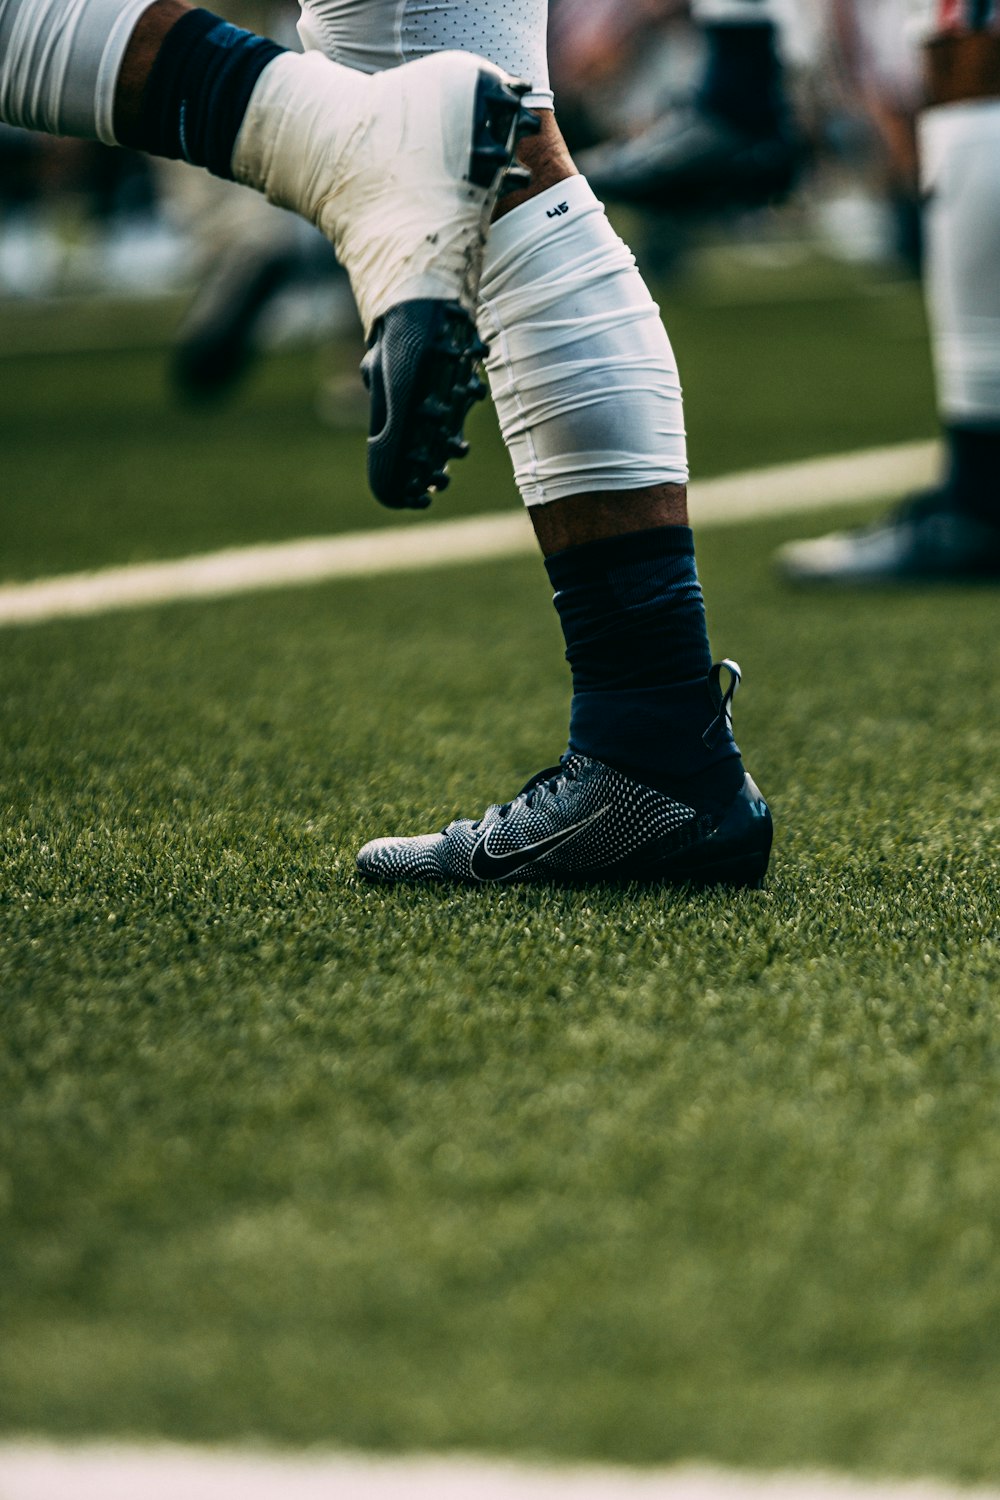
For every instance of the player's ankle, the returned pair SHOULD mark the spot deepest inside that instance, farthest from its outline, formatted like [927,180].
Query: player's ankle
[633,618]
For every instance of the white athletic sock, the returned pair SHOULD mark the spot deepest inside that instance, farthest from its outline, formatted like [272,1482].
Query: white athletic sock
[582,373]
[960,146]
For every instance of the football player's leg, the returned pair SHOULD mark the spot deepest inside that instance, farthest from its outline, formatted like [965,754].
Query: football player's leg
[952,531]
[399,171]
[589,400]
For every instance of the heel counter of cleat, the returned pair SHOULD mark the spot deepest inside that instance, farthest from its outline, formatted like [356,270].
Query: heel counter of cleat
[500,120]
[736,852]
[739,849]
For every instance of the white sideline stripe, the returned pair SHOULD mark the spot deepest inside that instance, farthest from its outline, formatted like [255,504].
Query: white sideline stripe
[842,479]
[104,1472]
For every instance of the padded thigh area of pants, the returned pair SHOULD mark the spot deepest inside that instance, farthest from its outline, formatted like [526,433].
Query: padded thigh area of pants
[376,34]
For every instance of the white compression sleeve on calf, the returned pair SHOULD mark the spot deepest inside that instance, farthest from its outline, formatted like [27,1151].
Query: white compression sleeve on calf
[960,146]
[581,370]
[59,63]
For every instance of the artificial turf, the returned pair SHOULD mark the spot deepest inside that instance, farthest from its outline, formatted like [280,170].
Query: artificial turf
[629,1174]
[102,465]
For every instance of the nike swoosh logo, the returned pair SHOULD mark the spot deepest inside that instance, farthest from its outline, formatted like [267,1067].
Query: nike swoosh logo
[487,866]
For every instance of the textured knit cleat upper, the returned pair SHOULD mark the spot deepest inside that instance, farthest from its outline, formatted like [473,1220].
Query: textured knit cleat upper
[925,540]
[585,821]
[692,161]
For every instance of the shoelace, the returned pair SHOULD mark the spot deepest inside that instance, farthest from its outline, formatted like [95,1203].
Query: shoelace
[546,783]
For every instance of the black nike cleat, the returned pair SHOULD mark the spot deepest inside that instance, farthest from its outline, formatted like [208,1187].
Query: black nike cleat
[692,162]
[422,365]
[422,375]
[585,821]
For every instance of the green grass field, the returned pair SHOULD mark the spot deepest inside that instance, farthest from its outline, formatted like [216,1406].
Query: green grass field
[638,1175]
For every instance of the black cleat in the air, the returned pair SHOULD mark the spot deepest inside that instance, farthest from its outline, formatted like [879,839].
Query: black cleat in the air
[422,375]
[422,365]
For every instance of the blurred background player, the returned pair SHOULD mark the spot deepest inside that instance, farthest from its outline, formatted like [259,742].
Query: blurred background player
[953,530]
[735,144]
[400,172]
[247,253]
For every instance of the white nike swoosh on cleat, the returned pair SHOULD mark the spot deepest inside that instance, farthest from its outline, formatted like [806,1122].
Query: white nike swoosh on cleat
[486,866]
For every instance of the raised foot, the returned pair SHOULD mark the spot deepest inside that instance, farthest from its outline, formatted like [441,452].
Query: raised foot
[421,368]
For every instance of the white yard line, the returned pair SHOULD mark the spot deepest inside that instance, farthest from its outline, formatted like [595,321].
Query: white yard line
[842,479]
[106,1472]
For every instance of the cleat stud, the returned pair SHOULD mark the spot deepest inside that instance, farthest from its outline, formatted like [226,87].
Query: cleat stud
[457,447]
[476,390]
[440,481]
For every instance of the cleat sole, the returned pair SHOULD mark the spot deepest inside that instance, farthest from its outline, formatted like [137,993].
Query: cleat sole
[418,416]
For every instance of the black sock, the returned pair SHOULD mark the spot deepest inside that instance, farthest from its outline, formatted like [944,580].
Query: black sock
[974,472]
[198,90]
[633,616]
[744,78]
